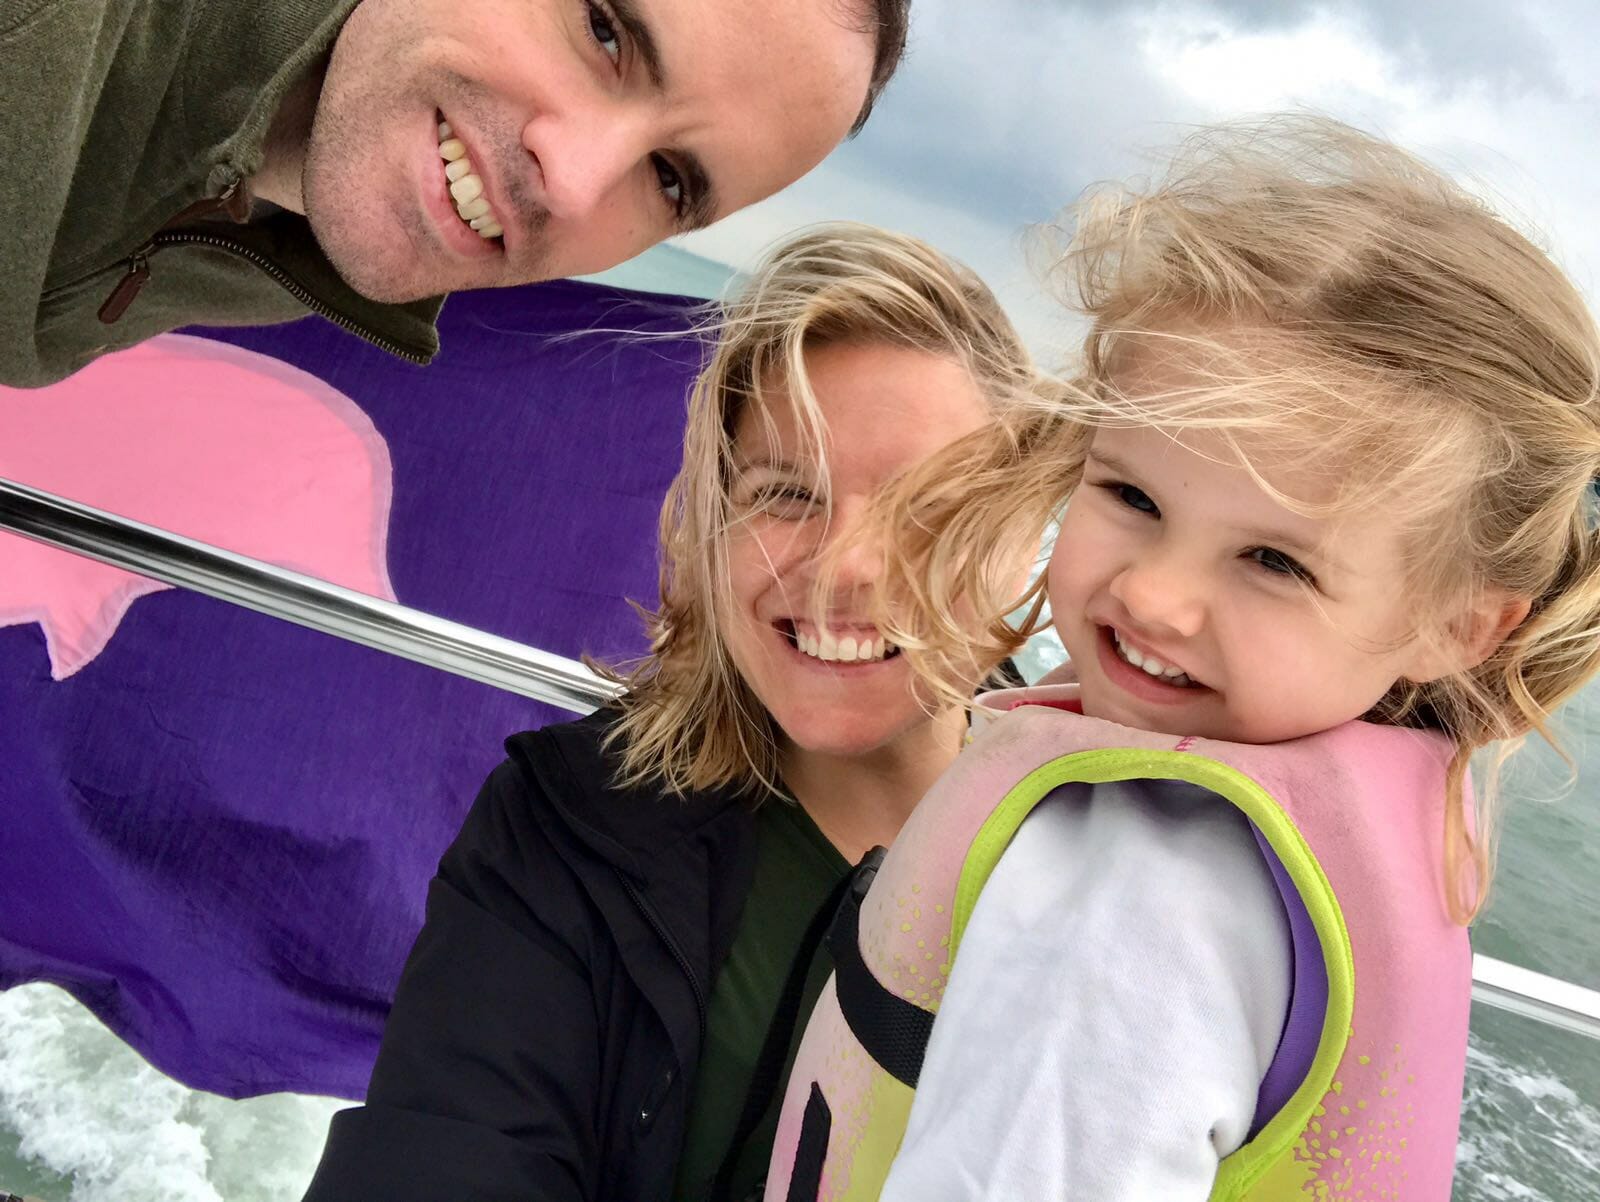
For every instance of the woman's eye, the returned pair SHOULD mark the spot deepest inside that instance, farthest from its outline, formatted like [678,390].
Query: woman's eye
[781,500]
[1280,564]
[670,182]
[604,32]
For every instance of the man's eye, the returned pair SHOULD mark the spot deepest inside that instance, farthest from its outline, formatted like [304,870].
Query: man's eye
[1134,498]
[670,182]
[1279,564]
[604,32]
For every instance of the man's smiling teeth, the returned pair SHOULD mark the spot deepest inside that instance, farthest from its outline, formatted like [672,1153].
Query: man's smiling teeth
[846,650]
[1148,664]
[466,188]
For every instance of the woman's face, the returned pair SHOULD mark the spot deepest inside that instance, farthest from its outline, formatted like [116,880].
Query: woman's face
[819,666]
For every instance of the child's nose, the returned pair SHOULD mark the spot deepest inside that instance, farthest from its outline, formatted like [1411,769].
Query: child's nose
[1161,591]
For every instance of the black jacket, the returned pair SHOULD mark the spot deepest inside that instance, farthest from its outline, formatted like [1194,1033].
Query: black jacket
[554,1005]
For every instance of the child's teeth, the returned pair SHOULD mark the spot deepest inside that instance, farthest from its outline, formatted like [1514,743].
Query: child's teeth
[1149,664]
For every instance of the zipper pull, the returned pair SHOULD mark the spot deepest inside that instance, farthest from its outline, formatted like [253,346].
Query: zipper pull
[129,286]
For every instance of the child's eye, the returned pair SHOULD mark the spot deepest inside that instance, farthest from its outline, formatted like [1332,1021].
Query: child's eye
[1279,564]
[604,32]
[1134,498]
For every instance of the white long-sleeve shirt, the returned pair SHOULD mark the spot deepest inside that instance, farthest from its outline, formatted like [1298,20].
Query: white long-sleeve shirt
[1118,996]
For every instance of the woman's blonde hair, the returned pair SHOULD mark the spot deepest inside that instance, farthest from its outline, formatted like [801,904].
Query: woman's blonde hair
[1346,306]
[688,719]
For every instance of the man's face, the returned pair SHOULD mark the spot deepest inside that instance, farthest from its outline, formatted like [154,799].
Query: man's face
[583,130]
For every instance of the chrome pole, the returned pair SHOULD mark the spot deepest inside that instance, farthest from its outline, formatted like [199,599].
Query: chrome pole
[504,664]
[1548,1000]
[305,600]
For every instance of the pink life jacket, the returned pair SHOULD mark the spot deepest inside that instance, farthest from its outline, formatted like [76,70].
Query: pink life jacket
[1363,1098]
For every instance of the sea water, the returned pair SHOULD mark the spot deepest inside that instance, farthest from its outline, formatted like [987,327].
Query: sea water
[84,1119]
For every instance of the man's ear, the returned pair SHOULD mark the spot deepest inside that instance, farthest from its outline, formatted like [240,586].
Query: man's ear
[1471,637]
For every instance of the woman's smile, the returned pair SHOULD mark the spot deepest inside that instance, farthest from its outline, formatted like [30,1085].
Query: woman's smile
[849,647]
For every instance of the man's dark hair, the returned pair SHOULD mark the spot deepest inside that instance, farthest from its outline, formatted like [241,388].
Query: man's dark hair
[889,21]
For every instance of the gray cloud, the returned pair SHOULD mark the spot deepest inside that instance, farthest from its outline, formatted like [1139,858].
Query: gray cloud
[1500,43]
[1003,107]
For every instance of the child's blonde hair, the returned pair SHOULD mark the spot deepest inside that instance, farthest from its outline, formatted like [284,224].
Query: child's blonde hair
[1345,305]
[689,721]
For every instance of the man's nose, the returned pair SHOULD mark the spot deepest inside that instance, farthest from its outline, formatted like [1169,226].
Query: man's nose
[584,156]
[1163,591]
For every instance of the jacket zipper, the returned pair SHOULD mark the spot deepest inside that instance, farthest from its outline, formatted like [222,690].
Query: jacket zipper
[661,931]
[130,285]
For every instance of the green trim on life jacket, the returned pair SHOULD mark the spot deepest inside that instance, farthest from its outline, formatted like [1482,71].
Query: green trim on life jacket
[1244,1167]
[890,1106]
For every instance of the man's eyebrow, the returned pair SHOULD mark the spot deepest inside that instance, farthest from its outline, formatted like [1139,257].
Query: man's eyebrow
[642,39]
[701,210]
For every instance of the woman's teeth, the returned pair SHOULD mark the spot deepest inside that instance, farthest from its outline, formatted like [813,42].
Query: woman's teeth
[466,188]
[1149,664]
[846,650]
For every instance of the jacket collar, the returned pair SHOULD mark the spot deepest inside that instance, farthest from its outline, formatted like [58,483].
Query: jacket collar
[238,64]
[629,828]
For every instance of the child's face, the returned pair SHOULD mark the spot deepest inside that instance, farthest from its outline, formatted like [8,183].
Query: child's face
[1282,625]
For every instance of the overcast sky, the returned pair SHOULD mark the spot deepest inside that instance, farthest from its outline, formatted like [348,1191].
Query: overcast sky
[1006,109]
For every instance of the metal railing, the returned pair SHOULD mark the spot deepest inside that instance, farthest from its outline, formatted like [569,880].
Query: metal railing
[295,597]
[505,664]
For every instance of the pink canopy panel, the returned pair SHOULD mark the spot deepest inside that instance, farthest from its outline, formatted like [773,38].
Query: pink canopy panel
[216,828]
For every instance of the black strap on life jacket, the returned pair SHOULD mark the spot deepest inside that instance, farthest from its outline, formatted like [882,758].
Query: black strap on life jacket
[893,1031]
[764,1082]
[811,1149]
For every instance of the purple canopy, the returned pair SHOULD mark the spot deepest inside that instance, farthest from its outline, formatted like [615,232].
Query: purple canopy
[218,833]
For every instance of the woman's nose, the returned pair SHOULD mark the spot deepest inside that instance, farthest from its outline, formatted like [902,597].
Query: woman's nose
[845,557]
[1162,592]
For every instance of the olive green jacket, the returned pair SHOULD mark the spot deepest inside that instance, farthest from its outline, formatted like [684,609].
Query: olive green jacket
[128,133]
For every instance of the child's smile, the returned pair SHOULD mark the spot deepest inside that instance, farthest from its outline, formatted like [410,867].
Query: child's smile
[1193,602]
[1141,674]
